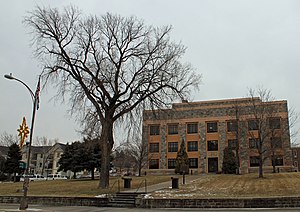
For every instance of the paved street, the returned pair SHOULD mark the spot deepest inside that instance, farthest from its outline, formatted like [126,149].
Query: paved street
[37,208]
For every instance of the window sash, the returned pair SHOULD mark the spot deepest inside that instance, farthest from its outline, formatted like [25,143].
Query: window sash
[172,146]
[192,128]
[193,162]
[212,145]
[154,130]
[232,126]
[173,129]
[192,146]
[212,127]
[154,147]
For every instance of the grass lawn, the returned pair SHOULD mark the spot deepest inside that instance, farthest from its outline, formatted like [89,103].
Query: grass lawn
[202,186]
[79,188]
[235,186]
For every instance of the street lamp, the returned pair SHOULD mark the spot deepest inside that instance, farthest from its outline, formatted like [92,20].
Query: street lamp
[35,99]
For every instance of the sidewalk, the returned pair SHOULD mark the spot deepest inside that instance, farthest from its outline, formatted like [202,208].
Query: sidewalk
[164,185]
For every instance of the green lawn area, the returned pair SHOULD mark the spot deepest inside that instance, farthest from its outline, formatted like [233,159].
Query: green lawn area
[203,186]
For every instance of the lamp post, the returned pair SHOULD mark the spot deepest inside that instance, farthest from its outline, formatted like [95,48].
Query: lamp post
[34,97]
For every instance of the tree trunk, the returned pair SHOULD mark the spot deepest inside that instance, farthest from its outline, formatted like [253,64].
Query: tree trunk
[106,140]
[260,171]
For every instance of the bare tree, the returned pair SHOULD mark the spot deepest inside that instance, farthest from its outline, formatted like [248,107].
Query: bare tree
[111,66]
[264,125]
[44,141]
[8,139]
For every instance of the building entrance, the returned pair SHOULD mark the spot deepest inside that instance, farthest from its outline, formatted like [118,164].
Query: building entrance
[212,165]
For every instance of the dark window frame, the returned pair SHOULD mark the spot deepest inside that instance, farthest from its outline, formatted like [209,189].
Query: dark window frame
[232,126]
[172,147]
[192,128]
[252,125]
[276,143]
[172,129]
[278,160]
[171,163]
[212,127]
[193,163]
[154,164]
[253,143]
[154,129]
[192,146]
[213,145]
[254,161]
[154,147]
[274,123]
[232,143]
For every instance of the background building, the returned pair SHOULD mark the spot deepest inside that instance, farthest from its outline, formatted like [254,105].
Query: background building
[208,127]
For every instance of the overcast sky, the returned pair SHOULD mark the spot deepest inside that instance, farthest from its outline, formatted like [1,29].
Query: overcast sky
[235,44]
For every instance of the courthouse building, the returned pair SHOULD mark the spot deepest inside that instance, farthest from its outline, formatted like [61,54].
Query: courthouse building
[207,127]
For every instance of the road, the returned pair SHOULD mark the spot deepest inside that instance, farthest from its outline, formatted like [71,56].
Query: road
[37,208]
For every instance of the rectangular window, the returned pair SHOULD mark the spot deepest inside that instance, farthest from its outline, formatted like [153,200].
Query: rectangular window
[192,146]
[171,163]
[154,147]
[295,153]
[276,142]
[232,143]
[192,128]
[154,130]
[212,127]
[253,143]
[274,123]
[172,146]
[193,162]
[212,145]
[154,164]
[254,161]
[232,126]
[252,125]
[278,161]
[172,129]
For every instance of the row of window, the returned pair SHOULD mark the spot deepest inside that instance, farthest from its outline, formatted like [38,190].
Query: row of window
[212,145]
[193,162]
[212,127]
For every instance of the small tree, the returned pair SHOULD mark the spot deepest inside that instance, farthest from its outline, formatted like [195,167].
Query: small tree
[72,158]
[182,160]
[92,156]
[14,158]
[229,161]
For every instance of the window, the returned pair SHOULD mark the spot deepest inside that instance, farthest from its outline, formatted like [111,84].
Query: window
[192,128]
[252,125]
[172,146]
[295,153]
[154,130]
[212,127]
[274,123]
[154,164]
[212,145]
[154,147]
[232,126]
[171,163]
[276,142]
[254,161]
[278,161]
[253,143]
[172,129]
[296,164]
[232,143]
[192,146]
[193,162]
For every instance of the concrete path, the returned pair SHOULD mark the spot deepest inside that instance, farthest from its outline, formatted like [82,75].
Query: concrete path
[165,185]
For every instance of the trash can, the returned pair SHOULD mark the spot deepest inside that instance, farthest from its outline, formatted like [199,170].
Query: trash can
[127,182]
[175,184]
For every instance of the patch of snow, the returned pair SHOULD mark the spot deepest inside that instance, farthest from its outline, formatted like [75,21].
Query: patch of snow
[101,196]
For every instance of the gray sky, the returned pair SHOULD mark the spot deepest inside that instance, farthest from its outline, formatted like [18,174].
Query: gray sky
[235,44]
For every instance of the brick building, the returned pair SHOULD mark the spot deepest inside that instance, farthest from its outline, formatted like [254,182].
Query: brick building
[296,157]
[207,127]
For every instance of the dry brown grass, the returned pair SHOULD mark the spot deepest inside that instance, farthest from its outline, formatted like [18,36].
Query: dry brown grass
[203,186]
[235,186]
[80,188]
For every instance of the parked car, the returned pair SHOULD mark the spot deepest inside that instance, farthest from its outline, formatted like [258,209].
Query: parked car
[33,177]
[56,177]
